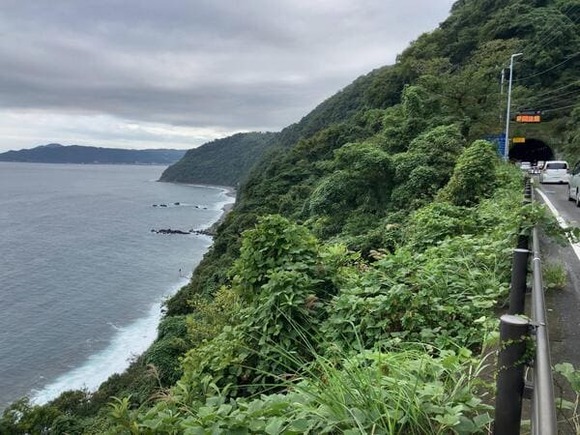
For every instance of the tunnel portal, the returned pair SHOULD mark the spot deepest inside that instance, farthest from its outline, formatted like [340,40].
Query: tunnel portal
[532,150]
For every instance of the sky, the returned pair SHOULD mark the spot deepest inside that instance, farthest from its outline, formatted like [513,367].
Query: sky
[145,74]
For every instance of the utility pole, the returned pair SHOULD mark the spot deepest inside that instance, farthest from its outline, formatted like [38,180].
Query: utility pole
[509,101]
[501,94]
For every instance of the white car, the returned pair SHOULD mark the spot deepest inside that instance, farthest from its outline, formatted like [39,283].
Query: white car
[526,166]
[554,171]
[574,185]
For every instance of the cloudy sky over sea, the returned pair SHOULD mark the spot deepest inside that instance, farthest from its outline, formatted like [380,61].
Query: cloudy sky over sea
[178,73]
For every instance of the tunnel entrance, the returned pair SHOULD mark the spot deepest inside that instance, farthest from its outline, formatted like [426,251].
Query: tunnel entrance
[532,150]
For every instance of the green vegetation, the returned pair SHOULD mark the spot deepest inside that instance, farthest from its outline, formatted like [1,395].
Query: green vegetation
[356,284]
[569,409]
[223,162]
[554,275]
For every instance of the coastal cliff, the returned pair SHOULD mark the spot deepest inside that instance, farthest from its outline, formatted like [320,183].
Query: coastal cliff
[342,289]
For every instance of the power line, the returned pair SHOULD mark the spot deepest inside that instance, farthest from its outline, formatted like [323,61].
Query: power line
[560,108]
[556,97]
[550,91]
[550,107]
[549,69]
[544,41]
[544,107]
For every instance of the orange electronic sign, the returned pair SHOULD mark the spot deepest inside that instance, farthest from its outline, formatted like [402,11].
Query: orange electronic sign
[529,117]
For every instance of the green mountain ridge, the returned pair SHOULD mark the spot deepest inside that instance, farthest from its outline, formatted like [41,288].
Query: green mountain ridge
[57,153]
[355,286]
[228,161]
[222,162]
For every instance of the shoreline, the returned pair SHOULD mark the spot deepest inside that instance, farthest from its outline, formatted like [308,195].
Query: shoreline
[144,330]
[211,229]
[226,209]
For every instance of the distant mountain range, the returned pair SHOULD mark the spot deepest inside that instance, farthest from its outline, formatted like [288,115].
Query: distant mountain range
[57,153]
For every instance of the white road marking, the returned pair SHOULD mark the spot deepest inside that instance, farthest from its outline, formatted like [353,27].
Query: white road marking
[561,221]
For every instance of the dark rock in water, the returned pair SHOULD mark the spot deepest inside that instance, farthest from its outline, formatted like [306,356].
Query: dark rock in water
[169,231]
[154,205]
[197,206]
[205,232]
[176,203]
[162,205]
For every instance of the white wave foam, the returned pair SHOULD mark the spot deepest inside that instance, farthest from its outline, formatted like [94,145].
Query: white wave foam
[225,193]
[128,342]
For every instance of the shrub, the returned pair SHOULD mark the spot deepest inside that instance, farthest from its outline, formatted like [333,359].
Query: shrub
[426,166]
[474,177]
[437,221]
[275,244]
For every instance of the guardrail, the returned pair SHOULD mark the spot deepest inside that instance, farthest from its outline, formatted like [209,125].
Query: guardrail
[518,336]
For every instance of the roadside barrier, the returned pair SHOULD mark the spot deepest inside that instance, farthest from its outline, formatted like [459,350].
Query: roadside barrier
[525,347]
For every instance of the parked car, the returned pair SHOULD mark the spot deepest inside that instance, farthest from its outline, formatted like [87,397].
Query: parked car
[526,166]
[554,171]
[574,185]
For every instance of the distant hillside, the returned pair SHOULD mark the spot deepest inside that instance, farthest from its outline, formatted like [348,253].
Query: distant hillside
[56,153]
[228,161]
[221,162]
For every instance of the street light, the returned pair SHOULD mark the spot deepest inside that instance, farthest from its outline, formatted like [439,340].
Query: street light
[509,101]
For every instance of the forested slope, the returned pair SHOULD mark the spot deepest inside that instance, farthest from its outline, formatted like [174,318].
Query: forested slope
[355,286]
[228,161]
[222,162]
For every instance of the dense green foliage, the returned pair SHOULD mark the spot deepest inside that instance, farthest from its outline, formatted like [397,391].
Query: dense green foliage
[222,162]
[319,339]
[356,284]
[473,177]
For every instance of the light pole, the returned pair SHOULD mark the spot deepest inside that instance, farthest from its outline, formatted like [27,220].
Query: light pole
[509,102]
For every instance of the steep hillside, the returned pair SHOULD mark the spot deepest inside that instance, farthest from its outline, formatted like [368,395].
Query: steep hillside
[228,161]
[476,32]
[222,162]
[56,153]
[341,293]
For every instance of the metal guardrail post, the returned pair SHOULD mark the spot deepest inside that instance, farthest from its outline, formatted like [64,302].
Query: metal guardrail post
[524,237]
[528,189]
[518,282]
[523,241]
[514,332]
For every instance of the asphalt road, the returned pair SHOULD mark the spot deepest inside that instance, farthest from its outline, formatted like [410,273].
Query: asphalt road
[563,305]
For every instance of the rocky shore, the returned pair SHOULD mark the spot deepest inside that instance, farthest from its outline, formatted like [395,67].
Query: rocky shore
[211,230]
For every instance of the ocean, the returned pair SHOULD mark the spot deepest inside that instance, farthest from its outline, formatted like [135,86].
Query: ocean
[82,275]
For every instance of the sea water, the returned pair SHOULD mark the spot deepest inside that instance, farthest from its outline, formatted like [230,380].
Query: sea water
[82,276]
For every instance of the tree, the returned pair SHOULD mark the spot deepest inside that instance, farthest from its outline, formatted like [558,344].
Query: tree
[474,175]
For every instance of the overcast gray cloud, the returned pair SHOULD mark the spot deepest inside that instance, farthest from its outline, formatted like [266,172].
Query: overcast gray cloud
[177,73]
